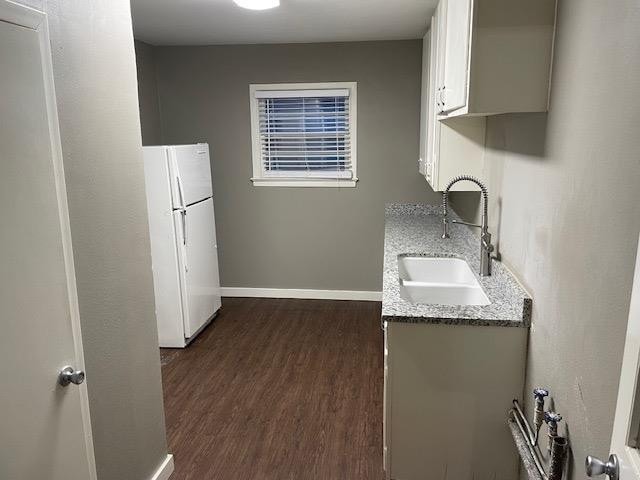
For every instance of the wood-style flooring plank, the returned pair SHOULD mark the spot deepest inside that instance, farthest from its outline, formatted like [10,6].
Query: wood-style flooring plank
[278,389]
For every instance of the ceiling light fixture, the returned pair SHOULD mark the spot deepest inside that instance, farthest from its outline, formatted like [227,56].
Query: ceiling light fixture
[257,4]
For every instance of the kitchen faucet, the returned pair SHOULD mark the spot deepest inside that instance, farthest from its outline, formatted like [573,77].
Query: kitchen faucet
[485,237]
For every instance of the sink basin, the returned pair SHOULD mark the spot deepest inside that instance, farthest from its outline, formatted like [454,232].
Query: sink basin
[443,281]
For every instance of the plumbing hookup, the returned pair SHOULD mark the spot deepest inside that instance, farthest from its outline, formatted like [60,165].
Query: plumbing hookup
[556,445]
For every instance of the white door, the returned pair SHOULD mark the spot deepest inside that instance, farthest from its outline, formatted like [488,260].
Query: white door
[458,28]
[625,442]
[191,174]
[198,264]
[46,431]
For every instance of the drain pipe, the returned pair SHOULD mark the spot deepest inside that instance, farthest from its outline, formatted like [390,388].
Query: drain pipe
[558,456]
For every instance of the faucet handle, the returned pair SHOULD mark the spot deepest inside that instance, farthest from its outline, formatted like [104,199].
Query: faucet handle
[486,241]
[445,227]
[552,418]
[540,393]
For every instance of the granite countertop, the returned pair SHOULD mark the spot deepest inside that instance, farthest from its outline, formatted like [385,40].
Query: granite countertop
[417,229]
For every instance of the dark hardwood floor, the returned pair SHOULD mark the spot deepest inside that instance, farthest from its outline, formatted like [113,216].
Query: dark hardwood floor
[278,389]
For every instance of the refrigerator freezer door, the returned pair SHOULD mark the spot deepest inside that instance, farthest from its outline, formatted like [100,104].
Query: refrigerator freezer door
[196,235]
[190,173]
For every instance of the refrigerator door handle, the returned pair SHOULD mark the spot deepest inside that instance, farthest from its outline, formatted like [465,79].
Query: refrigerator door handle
[183,210]
[184,225]
[180,194]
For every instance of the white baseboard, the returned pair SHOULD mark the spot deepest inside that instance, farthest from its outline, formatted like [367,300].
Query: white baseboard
[302,293]
[165,470]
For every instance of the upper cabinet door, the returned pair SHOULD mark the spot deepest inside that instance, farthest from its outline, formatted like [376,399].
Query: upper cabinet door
[456,62]
[432,106]
[424,100]
[481,69]
[438,35]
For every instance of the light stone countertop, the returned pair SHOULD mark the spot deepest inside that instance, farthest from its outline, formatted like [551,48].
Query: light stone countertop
[417,229]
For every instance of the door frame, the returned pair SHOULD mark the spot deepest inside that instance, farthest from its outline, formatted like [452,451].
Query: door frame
[36,20]
[627,407]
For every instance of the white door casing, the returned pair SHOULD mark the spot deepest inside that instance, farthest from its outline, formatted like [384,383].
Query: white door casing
[627,417]
[46,427]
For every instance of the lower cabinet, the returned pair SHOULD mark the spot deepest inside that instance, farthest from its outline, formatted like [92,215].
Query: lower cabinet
[447,393]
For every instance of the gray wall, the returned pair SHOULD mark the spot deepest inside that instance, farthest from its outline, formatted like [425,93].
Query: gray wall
[148,94]
[321,238]
[95,80]
[565,203]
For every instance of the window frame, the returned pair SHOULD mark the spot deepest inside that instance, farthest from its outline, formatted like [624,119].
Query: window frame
[259,179]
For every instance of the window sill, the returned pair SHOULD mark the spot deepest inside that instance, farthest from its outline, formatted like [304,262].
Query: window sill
[302,182]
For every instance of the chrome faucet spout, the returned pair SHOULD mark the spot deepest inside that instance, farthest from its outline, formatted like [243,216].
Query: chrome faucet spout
[485,237]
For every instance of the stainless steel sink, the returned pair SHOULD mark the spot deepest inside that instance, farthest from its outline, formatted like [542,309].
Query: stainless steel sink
[438,280]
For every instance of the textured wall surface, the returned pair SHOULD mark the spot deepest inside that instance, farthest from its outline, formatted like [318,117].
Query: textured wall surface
[565,205]
[148,94]
[95,81]
[323,238]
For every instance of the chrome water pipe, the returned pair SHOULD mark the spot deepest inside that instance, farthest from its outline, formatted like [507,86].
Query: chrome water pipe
[530,436]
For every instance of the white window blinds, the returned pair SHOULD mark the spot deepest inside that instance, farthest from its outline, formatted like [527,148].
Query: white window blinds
[305,134]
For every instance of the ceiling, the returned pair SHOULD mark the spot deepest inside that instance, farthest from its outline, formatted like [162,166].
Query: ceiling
[209,22]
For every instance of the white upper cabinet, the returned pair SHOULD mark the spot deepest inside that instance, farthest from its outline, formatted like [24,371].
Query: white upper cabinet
[480,58]
[456,21]
[452,146]
[493,56]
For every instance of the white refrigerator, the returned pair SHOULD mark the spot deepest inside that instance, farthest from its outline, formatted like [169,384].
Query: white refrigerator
[184,250]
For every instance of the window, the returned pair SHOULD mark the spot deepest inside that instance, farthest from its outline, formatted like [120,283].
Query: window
[304,135]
